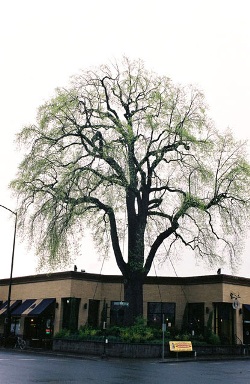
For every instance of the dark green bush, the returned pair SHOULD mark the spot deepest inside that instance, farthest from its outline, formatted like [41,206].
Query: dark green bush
[214,339]
[140,332]
[62,334]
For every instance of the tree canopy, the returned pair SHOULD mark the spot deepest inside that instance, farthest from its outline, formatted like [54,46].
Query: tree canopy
[135,157]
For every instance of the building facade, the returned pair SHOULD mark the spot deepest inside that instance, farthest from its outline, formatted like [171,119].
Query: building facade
[43,304]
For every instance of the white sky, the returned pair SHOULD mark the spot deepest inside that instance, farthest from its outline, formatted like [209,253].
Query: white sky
[44,42]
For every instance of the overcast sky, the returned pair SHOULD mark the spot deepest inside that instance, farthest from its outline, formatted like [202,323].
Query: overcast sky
[44,42]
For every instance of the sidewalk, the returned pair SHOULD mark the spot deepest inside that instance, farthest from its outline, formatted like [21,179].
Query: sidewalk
[179,359]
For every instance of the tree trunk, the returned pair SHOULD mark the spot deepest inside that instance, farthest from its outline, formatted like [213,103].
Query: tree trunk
[133,294]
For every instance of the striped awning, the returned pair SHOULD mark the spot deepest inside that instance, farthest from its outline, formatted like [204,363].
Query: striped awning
[13,304]
[33,307]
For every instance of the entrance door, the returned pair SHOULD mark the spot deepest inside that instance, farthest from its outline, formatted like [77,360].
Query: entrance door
[32,328]
[93,314]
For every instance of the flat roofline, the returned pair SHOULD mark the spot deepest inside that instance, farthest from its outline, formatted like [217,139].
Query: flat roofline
[66,275]
[198,280]
[161,280]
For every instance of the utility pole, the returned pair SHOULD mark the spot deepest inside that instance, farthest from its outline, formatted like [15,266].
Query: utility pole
[8,315]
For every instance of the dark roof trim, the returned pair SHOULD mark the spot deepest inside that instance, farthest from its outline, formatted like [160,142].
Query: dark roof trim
[197,280]
[63,276]
[161,280]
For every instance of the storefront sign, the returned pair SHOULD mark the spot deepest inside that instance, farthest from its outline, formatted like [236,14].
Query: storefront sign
[121,303]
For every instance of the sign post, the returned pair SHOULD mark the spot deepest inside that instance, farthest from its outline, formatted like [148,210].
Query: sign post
[163,337]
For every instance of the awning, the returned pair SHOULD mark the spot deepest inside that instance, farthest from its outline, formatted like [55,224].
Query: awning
[13,304]
[33,307]
[247,306]
[26,304]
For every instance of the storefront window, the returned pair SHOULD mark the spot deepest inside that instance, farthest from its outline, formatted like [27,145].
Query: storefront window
[15,326]
[117,312]
[196,318]
[246,323]
[93,313]
[161,311]
[224,322]
[70,313]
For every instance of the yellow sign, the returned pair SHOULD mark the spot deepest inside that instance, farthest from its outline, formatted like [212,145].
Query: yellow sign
[180,346]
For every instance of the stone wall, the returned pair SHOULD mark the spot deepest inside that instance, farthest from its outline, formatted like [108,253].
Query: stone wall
[137,350]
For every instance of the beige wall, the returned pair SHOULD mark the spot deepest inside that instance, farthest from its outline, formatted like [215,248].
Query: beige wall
[86,287]
[243,296]
[166,293]
[39,290]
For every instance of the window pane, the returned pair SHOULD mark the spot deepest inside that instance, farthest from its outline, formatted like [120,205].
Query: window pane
[159,312]
[154,308]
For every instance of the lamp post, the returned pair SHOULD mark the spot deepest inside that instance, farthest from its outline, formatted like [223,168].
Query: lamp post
[7,327]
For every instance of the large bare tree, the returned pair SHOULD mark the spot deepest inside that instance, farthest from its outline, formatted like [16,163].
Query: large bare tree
[134,157]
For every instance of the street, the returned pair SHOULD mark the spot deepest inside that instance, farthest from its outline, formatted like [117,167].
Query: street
[25,368]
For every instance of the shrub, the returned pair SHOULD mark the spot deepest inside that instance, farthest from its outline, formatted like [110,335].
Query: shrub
[214,339]
[62,334]
[87,332]
[114,331]
[136,335]
[139,333]
[209,327]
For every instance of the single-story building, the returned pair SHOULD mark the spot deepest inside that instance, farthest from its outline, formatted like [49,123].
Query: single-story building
[43,304]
